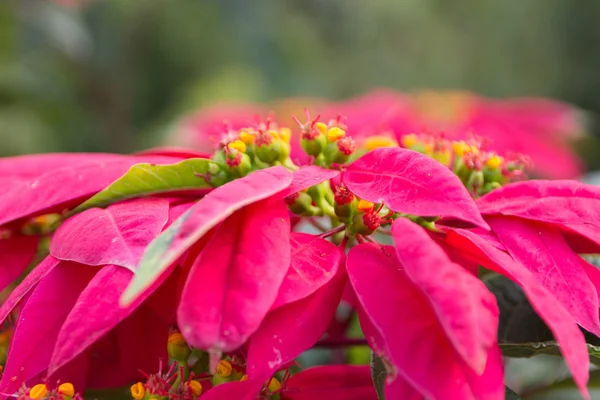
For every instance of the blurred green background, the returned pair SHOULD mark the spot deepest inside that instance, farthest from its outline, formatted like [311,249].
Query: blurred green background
[110,75]
[114,75]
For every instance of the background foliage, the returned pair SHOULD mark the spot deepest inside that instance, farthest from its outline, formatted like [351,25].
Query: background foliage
[113,75]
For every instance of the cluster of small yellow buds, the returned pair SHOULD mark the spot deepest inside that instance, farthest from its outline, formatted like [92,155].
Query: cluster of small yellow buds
[360,217]
[252,148]
[480,169]
[176,384]
[327,143]
[41,391]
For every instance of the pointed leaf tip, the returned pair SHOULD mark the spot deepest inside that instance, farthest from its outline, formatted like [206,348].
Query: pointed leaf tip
[193,224]
[413,183]
[117,235]
[147,179]
[464,307]
[235,279]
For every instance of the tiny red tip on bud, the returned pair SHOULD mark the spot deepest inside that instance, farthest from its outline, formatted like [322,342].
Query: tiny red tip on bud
[342,195]
[346,145]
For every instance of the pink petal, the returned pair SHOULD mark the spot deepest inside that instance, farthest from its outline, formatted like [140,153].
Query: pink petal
[174,151]
[339,382]
[30,281]
[542,250]
[16,253]
[560,322]
[31,166]
[464,307]
[294,328]
[406,321]
[238,390]
[64,187]
[593,274]
[201,218]
[314,263]
[137,343]
[569,204]
[176,211]
[98,306]
[396,385]
[236,278]
[117,235]
[410,182]
[308,176]
[40,320]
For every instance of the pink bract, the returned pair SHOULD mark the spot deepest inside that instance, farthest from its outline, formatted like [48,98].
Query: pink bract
[235,280]
[414,338]
[412,183]
[465,308]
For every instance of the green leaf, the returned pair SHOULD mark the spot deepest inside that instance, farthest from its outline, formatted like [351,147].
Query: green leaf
[148,179]
[378,373]
[510,395]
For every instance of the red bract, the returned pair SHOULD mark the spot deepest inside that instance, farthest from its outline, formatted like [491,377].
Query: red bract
[466,310]
[286,332]
[531,219]
[401,324]
[562,324]
[409,182]
[235,279]
[202,217]
[314,262]
[537,127]
[72,309]
[216,268]
[571,206]
[49,183]
[340,382]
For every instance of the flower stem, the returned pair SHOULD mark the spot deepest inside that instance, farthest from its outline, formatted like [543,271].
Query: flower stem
[332,231]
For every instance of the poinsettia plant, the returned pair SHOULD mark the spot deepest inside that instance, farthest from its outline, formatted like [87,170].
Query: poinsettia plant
[185,275]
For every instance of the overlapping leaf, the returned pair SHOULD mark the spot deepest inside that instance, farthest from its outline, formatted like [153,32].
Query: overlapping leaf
[117,235]
[542,250]
[410,182]
[293,328]
[148,179]
[201,218]
[38,327]
[339,382]
[561,323]
[569,204]
[415,341]
[16,253]
[314,262]
[235,280]
[98,305]
[464,307]
[64,187]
